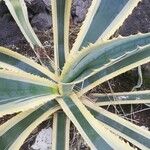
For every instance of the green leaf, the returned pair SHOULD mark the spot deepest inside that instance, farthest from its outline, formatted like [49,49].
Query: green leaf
[129,131]
[19,61]
[130,61]
[102,20]
[61,17]
[98,56]
[14,132]
[96,136]
[101,62]
[137,97]
[61,130]
[19,12]
[18,88]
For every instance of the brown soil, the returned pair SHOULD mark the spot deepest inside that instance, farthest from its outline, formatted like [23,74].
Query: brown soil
[6,118]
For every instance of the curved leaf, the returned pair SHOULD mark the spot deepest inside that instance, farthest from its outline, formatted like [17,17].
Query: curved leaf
[14,132]
[19,12]
[131,132]
[98,56]
[19,61]
[61,17]
[18,88]
[126,63]
[137,97]
[61,131]
[94,133]
[104,17]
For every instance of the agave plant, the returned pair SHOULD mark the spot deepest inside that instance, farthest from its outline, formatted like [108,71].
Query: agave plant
[58,90]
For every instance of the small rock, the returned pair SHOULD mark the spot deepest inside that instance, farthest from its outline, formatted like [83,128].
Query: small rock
[3,9]
[28,1]
[43,140]
[9,31]
[47,3]
[38,6]
[79,10]
[42,21]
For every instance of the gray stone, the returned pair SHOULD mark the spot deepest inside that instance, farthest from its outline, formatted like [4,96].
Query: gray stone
[42,21]
[38,6]
[47,2]
[79,10]
[29,1]
[9,31]
[3,9]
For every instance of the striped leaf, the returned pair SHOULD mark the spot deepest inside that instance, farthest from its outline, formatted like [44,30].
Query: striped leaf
[19,12]
[101,62]
[104,17]
[9,67]
[94,133]
[14,132]
[129,131]
[61,17]
[18,88]
[98,56]
[127,63]
[19,61]
[61,131]
[137,97]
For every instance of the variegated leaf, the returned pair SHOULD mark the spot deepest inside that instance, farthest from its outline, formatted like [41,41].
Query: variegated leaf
[94,133]
[61,131]
[19,12]
[137,97]
[20,90]
[122,127]
[61,17]
[104,17]
[19,61]
[14,132]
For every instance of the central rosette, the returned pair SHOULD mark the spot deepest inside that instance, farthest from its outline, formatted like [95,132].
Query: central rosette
[65,89]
